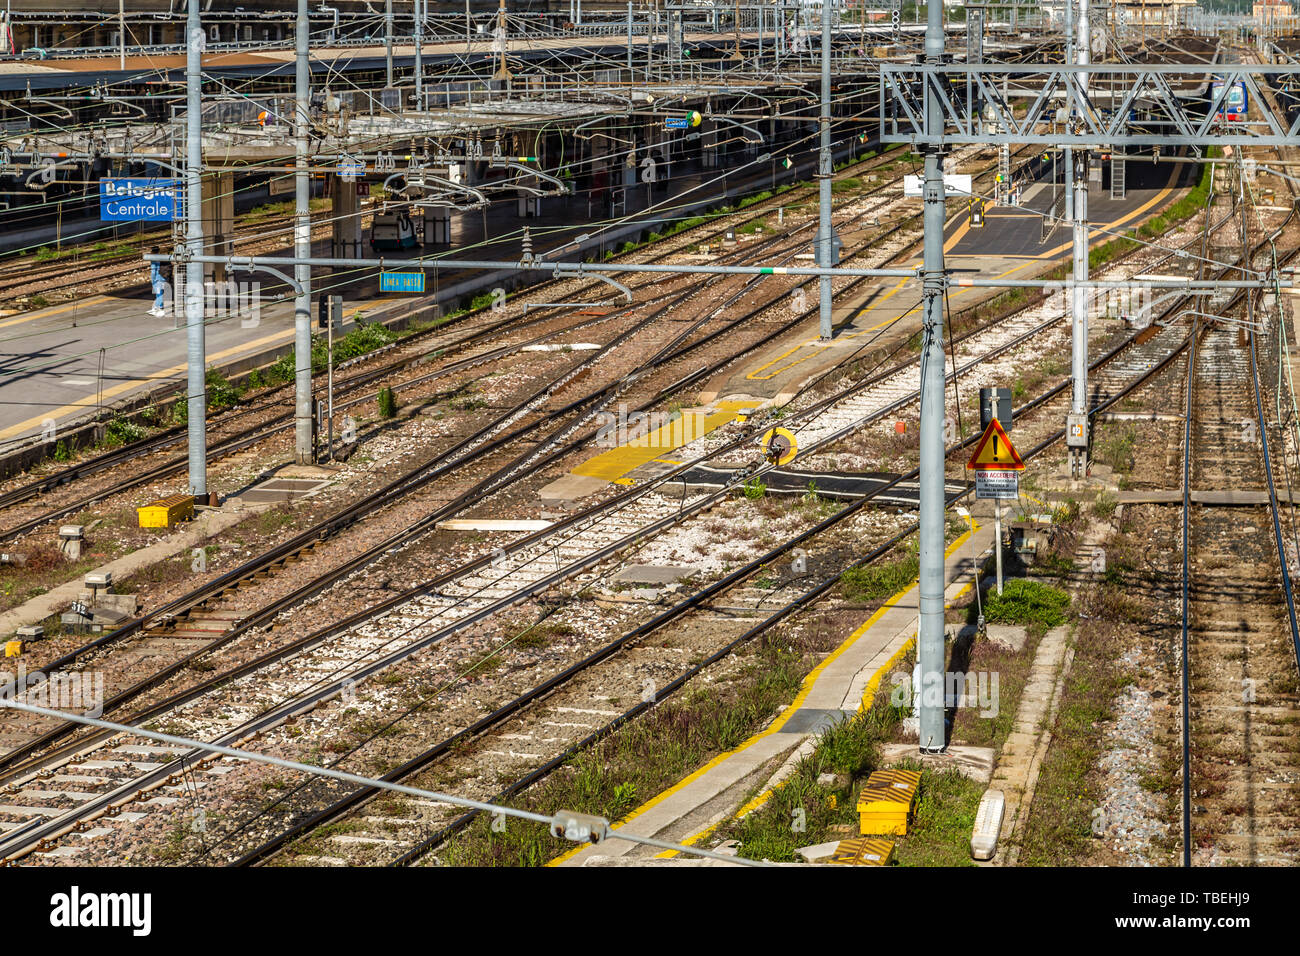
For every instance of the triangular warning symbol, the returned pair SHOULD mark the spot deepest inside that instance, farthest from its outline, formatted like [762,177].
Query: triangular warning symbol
[995,451]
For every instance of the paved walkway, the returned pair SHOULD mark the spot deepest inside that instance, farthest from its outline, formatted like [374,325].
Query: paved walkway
[66,361]
[192,534]
[1021,756]
[689,810]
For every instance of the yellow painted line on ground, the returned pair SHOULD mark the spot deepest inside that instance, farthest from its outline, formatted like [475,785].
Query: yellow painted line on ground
[814,345]
[46,313]
[121,387]
[957,236]
[1101,229]
[868,694]
[614,465]
[781,720]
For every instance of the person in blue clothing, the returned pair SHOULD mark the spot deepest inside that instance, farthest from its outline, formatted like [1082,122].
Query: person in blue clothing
[158,282]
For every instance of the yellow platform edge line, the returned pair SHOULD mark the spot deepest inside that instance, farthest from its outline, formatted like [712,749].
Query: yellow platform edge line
[779,722]
[115,390]
[868,695]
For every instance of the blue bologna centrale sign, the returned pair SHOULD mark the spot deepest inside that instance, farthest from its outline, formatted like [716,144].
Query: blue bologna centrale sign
[139,200]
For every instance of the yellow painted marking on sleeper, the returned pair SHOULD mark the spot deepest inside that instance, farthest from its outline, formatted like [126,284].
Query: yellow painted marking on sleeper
[615,464]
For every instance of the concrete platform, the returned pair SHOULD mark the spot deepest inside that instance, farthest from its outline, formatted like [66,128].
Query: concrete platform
[1224,498]
[1016,231]
[66,361]
[838,686]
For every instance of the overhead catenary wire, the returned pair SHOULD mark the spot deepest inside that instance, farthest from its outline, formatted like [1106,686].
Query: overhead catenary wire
[555,820]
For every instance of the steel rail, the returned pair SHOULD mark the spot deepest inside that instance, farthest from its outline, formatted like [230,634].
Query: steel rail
[22,839]
[7,762]
[545,688]
[707,593]
[176,435]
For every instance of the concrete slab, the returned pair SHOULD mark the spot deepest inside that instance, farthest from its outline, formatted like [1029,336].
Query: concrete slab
[839,685]
[94,833]
[64,851]
[818,852]
[79,795]
[311,472]
[652,574]
[973,762]
[571,488]
[1006,635]
[1022,754]
[18,811]
[494,524]
[988,825]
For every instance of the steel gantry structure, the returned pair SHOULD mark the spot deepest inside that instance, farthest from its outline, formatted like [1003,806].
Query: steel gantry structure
[931,104]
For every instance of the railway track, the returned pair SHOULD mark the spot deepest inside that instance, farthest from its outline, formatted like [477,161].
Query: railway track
[1239,646]
[450,599]
[491,586]
[198,606]
[438,344]
[404,833]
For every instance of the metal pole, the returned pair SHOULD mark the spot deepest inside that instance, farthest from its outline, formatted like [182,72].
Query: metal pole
[825,170]
[1079,295]
[329,358]
[388,39]
[997,538]
[121,35]
[930,650]
[1068,151]
[629,42]
[930,644]
[302,247]
[419,55]
[502,73]
[195,351]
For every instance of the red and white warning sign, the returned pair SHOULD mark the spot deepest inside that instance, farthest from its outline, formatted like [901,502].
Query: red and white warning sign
[994,452]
